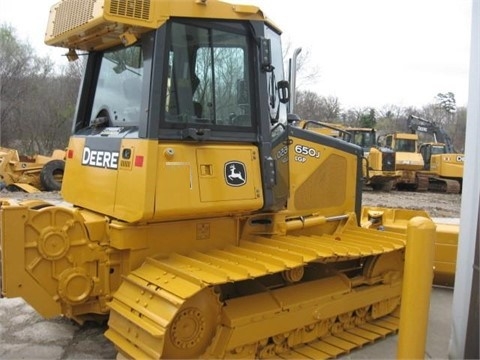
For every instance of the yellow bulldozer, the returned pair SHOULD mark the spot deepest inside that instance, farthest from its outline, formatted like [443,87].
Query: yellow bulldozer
[379,167]
[197,219]
[324,128]
[408,162]
[446,240]
[31,173]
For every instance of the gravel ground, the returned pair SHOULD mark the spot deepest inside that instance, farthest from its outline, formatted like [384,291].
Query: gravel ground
[437,205]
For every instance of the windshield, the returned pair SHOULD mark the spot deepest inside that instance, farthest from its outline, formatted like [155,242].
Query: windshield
[364,139]
[405,145]
[118,93]
[438,149]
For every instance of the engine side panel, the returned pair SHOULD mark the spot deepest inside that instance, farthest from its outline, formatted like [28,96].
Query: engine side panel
[325,174]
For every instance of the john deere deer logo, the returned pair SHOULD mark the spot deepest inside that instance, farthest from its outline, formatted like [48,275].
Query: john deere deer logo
[235,173]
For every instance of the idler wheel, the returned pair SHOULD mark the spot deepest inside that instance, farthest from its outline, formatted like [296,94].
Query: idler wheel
[193,327]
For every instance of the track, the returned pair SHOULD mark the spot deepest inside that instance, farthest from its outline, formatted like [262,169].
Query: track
[448,186]
[426,182]
[346,341]
[259,300]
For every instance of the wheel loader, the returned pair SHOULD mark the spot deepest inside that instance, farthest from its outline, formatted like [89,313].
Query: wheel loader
[196,218]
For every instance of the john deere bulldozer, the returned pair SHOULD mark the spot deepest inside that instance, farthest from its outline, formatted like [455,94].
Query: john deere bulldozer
[196,218]
[379,169]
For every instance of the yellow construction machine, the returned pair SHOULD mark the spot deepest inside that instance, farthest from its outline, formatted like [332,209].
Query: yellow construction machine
[379,168]
[425,166]
[324,128]
[439,157]
[446,241]
[31,174]
[196,218]
[408,162]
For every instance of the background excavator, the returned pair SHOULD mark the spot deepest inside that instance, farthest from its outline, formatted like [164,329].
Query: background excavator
[197,219]
[439,156]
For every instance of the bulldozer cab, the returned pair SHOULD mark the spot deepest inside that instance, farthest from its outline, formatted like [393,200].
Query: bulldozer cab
[364,137]
[178,75]
[400,142]
[216,83]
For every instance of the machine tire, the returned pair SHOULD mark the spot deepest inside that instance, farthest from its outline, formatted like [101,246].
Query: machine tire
[51,175]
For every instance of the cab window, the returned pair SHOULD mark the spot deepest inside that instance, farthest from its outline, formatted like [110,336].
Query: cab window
[207,78]
[119,86]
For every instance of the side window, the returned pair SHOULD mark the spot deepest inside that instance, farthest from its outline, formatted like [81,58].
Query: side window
[388,141]
[223,89]
[119,87]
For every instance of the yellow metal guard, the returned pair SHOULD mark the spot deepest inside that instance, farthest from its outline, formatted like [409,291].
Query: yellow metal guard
[418,277]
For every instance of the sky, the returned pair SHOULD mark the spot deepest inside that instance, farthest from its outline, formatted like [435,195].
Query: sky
[367,53]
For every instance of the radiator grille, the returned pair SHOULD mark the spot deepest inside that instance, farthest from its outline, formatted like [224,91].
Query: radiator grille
[71,14]
[138,9]
[325,187]
[388,161]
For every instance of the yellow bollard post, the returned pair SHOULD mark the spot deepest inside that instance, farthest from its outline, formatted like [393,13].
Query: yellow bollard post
[416,288]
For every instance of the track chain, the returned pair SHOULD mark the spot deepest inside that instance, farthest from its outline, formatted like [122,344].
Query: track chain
[170,307]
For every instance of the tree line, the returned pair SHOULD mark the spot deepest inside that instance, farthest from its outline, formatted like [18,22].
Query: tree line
[37,102]
[389,118]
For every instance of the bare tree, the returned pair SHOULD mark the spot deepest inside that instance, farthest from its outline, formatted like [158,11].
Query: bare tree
[36,103]
[332,108]
[311,106]
[18,68]
[352,116]
[392,118]
[307,72]
[49,111]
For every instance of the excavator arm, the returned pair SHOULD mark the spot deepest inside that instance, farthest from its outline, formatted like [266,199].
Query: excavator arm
[418,124]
